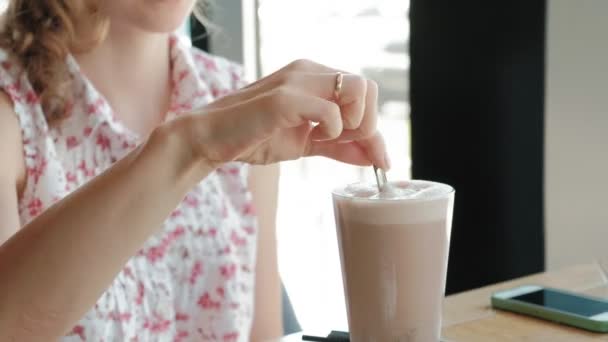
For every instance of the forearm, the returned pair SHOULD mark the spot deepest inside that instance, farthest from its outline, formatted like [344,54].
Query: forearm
[55,268]
[267,319]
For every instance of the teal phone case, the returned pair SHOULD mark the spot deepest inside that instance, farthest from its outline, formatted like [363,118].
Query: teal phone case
[552,315]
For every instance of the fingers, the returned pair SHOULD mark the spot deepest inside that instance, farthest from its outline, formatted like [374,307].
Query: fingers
[318,80]
[350,152]
[352,97]
[282,76]
[291,109]
[369,118]
[363,153]
[375,149]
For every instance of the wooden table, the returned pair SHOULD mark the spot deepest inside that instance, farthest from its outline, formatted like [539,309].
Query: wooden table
[468,316]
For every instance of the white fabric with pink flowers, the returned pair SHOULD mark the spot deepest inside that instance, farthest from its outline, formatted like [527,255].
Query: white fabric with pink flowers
[192,281]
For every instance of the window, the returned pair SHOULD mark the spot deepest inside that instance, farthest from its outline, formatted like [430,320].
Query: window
[368,37]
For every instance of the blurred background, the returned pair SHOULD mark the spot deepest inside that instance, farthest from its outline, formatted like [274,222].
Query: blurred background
[505,101]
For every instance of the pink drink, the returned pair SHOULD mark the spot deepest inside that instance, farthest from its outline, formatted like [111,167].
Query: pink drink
[394,252]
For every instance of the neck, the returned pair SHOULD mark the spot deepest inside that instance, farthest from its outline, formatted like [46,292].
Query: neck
[128,52]
[130,65]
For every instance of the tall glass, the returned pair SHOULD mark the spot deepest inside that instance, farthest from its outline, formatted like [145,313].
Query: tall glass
[394,254]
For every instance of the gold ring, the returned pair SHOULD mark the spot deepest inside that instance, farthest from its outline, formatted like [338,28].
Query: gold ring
[338,87]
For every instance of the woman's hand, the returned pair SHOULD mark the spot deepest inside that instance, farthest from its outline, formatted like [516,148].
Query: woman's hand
[274,119]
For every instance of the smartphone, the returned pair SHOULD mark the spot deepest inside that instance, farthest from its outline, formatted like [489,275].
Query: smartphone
[555,305]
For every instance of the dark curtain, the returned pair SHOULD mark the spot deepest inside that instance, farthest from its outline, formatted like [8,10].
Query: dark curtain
[477,97]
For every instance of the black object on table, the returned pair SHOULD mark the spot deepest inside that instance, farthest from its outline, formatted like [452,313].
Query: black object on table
[334,336]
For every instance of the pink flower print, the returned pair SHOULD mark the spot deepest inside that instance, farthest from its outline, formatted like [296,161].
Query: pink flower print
[140,293]
[87,131]
[95,107]
[157,325]
[220,292]
[208,63]
[212,232]
[128,272]
[232,336]
[35,206]
[119,317]
[103,141]
[237,240]
[191,201]
[175,213]
[79,330]
[83,167]
[14,90]
[70,177]
[197,270]
[71,142]
[249,230]
[249,209]
[215,91]
[181,317]
[31,97]
[182,75]
[38,170]
[228,271]
[245,269]
[225,250]
[207,303]
[177,232]
[234,171]
[181,336]
[127,145]
[234,306]
[156,253]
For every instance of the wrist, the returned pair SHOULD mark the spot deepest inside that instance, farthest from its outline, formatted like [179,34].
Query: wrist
[175,141]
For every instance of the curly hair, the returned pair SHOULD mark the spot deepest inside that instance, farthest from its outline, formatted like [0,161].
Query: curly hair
[41,34]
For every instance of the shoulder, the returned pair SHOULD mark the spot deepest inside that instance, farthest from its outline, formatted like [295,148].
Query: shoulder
[11,147]
[217,69]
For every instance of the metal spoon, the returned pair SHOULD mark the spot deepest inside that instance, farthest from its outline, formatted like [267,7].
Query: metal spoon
[380,178]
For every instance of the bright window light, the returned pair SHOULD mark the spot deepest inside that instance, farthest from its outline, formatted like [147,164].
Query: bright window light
[368,37]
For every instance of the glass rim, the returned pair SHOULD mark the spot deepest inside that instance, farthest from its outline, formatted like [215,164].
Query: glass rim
[335,194]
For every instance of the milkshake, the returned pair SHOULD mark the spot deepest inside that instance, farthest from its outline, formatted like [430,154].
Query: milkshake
[394,250]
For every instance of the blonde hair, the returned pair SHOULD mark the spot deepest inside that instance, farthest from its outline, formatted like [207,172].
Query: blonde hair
[41,34]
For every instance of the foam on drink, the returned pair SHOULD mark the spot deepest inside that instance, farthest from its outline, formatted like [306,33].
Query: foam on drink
[425,201]
[396,190]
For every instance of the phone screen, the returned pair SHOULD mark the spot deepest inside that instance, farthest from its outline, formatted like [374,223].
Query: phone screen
[564,302]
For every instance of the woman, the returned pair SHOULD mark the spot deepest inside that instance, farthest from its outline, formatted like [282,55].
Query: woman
[126,204]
